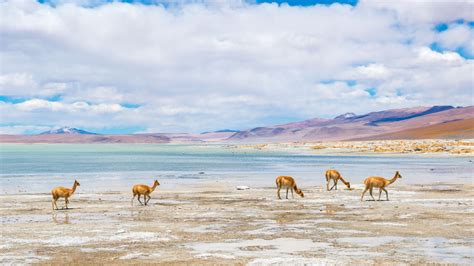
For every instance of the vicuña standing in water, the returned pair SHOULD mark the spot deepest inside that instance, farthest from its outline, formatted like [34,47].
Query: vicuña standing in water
[144,190]
[335,176]
[62,192]
[378,182]
[289,183]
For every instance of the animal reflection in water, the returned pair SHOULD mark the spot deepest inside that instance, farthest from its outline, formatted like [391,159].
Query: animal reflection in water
[142,216]
[63,218]
[332,208]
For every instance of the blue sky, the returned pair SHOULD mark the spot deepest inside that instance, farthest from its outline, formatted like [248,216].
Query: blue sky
[172,2]
[199,65]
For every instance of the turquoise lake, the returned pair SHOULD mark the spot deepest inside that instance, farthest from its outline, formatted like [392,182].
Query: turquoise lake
[36,168]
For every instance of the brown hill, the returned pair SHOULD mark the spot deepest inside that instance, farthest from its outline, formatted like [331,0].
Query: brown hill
[347,127]
[456,129]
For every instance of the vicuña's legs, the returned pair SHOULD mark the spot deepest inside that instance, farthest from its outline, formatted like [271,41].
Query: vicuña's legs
[292,196]
[278,192]
[65,200]
[52,203]
[327,185]
[362,197]
[386,192]
[334,184]
[139,199]
[380,193]
[149,198]
[287,193]
[132,200]
[371,189]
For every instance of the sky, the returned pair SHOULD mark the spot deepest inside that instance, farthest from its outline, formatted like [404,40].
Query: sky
[198,65]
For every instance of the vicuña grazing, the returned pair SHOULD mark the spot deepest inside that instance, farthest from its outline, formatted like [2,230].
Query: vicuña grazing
[335,176]
[145,191]
[62,192]
[289,183]
[378,182]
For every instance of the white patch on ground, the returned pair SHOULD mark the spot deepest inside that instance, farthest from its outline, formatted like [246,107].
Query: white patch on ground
[341,231]
[17,259]
[138,255]
[442,250]
[91,250]
[265,248]
[206,228]
[389,224]
[138,236]
[370,241]
[221,256]
[294,261]
[61,241]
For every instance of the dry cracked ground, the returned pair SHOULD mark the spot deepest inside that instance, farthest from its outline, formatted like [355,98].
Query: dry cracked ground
[215,223]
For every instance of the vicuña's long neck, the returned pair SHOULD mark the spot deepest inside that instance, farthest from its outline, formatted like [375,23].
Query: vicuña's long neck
[343,181]
[74,188]
[153,187]
[392,180]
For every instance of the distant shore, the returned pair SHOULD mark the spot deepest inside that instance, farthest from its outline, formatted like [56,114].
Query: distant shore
[425,146]
[422,146]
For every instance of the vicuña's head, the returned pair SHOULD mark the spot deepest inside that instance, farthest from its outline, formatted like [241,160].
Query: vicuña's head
[76,183]
[348,184]
[299,192]
[398,175]
[156,183]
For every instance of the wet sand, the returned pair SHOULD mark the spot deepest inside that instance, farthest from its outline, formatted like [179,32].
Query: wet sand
[215,223]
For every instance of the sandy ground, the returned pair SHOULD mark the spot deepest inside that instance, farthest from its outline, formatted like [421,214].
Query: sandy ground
[215,223]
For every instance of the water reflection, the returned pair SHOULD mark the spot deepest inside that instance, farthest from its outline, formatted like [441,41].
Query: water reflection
[141,215]
[332,209]
[61,218]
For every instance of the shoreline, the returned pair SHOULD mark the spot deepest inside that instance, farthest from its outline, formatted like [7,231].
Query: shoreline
[461,148]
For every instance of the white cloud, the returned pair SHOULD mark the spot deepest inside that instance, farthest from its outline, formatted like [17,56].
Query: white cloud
[374,71]
[201,66]
[16,83]
[426,55]
[35,105]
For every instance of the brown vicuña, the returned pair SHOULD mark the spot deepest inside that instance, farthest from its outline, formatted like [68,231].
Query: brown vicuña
[289,183]
[62,192]
[378,182]
[335,176]
[144,190]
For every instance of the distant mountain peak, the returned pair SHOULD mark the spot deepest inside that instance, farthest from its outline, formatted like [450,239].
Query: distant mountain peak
[221,131]
[67,130]
[345,116]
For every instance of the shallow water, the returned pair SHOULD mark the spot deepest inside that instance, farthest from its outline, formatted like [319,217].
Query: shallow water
[35,168]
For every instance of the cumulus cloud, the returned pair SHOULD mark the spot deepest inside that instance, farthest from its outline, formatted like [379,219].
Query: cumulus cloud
[198,66]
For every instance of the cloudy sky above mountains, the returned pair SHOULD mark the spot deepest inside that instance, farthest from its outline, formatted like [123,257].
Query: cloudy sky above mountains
[191,66]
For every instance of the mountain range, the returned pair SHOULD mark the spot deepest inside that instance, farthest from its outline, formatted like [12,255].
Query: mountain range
[407,123]
[446,122]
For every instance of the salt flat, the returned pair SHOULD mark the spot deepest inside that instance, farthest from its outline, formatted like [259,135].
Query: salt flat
[215,223]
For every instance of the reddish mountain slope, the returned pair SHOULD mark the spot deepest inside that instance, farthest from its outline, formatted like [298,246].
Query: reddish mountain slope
[456,129]
[347,127]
